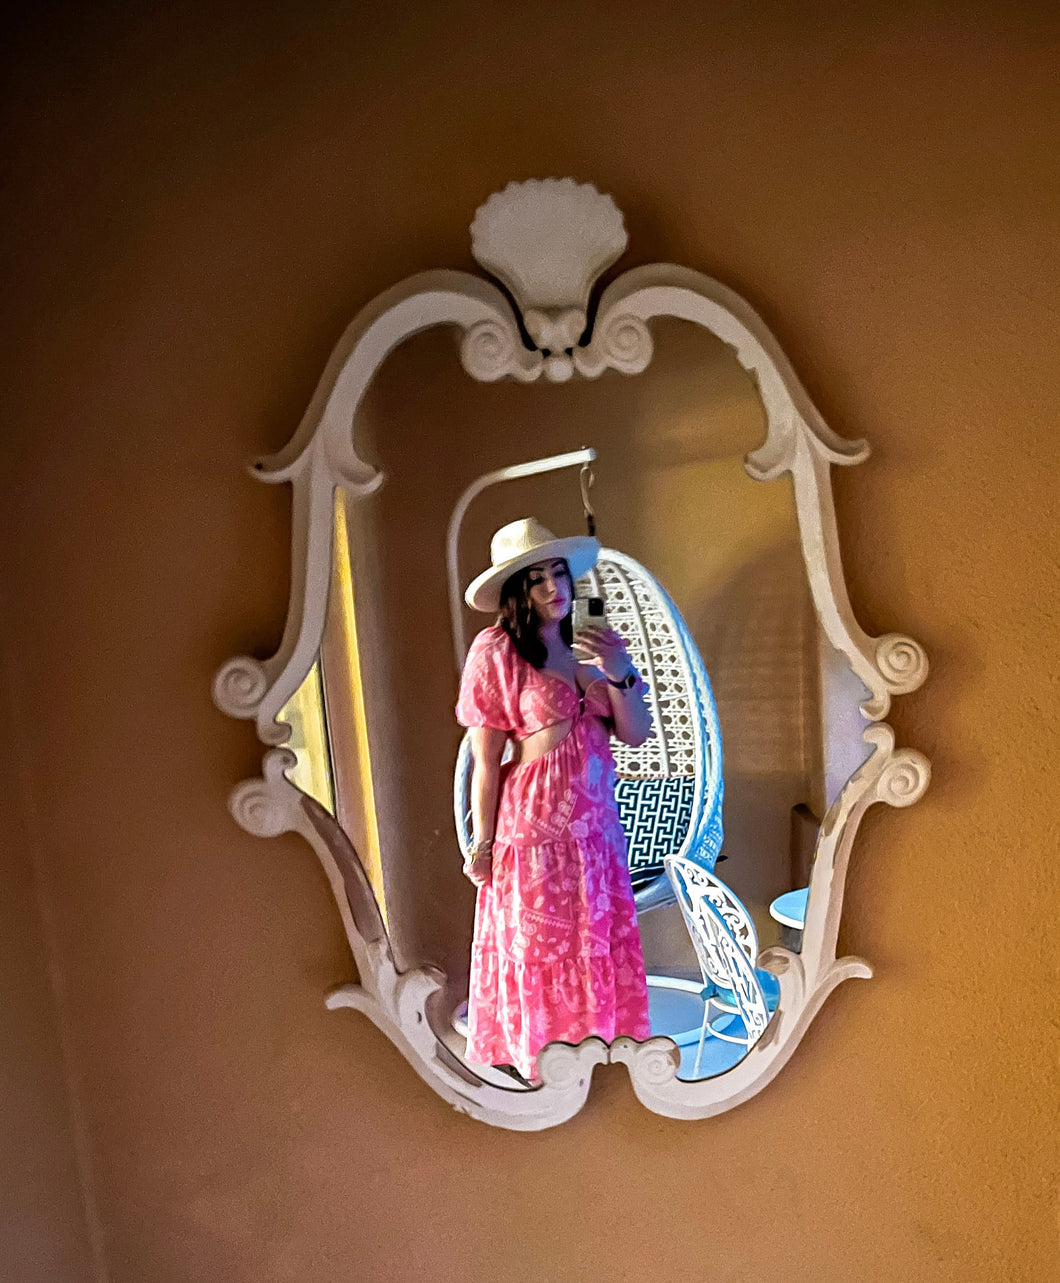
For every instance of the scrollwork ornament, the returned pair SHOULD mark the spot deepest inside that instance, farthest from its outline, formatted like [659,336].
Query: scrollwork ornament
[563,1066]
[902,662]
[904,779]
[651,1063]
[628,344]
[268,806]
[620,342]
[239,686]
[492,349]
[257,810]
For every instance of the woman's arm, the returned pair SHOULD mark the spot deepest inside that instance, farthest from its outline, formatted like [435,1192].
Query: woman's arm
[487,749]
[629,710]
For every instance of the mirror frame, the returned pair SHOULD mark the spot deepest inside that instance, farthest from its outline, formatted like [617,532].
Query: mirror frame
[547,241]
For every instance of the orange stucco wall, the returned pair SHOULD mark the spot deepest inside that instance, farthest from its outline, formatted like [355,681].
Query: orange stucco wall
[199,197]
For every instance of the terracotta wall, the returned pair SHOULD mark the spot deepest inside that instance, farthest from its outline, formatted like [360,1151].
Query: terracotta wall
[200,197]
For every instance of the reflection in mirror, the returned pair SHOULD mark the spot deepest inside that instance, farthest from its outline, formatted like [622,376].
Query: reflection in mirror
[671,493]
[556,954]
[308,741]
[346,717]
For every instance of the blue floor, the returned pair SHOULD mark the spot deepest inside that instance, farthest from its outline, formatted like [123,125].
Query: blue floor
[678,1014]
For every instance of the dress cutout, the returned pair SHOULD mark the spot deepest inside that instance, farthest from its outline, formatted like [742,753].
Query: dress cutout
[556,954]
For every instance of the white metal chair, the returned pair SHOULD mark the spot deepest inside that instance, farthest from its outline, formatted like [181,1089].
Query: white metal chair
[736,1006]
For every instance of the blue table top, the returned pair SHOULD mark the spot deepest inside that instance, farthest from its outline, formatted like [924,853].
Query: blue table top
[789,909]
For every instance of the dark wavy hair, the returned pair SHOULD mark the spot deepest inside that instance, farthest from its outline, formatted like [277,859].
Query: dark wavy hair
[519,619]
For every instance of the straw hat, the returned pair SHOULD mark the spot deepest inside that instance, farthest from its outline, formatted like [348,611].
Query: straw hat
[520,544]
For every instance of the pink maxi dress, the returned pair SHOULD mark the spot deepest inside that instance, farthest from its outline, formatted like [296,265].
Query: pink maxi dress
[556,954]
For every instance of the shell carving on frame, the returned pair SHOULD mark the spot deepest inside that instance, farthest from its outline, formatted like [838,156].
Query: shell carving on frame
[548,240]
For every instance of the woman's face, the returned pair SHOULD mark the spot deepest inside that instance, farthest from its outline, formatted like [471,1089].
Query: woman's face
[551,590]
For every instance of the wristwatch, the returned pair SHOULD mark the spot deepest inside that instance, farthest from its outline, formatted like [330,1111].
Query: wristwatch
[626,683]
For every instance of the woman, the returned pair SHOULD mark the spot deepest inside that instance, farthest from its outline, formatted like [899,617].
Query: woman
[556,952]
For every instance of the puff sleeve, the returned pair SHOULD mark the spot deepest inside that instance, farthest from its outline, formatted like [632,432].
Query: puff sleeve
[489,694]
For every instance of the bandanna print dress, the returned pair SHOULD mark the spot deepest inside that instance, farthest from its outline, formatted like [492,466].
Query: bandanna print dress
[556,953]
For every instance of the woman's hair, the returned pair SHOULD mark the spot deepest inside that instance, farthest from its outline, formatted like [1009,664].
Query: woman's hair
[519,619]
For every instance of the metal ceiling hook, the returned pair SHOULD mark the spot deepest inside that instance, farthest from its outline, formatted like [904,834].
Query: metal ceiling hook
[585,480]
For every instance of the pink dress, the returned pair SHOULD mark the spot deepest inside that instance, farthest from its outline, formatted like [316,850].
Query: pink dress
[556,953]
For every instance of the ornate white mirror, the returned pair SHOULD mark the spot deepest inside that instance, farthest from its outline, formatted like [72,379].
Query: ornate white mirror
[711,493]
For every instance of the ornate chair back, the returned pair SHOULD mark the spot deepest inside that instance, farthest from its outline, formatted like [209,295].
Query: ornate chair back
[723,958]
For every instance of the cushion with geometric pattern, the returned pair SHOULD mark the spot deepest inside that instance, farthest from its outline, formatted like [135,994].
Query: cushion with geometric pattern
[655,815]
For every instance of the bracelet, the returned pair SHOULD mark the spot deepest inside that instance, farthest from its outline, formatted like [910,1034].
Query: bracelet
[480,849]
[626,683]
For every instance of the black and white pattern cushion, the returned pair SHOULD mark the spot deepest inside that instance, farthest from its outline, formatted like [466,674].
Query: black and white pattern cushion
[655,815]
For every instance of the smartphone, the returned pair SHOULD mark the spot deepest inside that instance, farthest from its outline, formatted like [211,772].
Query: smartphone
[587,610]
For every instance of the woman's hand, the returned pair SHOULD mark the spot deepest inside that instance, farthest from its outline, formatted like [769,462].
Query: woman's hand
[601,647]
[479,868]
[487,749]
[478,864]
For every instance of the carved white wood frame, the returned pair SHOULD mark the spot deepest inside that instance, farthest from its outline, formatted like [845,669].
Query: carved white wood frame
[548,241]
